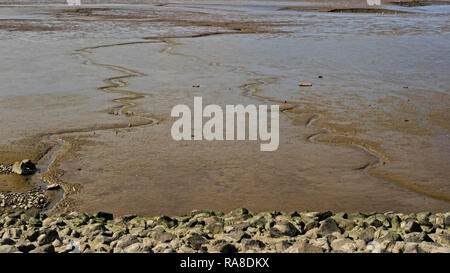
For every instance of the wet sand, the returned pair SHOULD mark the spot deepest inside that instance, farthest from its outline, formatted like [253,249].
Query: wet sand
[87,94]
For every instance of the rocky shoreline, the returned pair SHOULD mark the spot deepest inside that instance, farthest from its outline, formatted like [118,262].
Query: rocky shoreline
[237,231]
[32,199]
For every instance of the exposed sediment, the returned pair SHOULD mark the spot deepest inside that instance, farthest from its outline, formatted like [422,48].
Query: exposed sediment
[237,231]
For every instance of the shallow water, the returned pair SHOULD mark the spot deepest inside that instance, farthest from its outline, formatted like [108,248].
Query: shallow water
[358,139]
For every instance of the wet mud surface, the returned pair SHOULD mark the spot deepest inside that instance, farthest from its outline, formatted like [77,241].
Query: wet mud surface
[371,133]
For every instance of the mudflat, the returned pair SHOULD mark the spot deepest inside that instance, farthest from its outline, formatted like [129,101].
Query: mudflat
[86,93]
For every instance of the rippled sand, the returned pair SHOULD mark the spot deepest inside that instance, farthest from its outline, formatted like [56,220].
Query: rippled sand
[88,91]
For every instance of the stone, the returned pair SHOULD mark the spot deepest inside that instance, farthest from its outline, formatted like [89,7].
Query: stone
[344,224]
[127,240]
[447,220]
[281,246]
[322,243]
[304,84]
[162,236]
[135,248]
[441,239]
[415,237]
[411,226]
[215,228]
[395,222]
[343,245]
[284,229]
[310,225]
[427,247]
[399,247]
[228,248]
[248,244]
[367,234]
[24,167]
[237,235]
[7,241]
[196,241]
[52,187]
[411,248]
[384,235]
[328,226]
[303,246]
[373,221]
[323,215]
[47,237]
[167,221]
[8,249]
[26,247]
[44,249]
[104,215]
[423,219]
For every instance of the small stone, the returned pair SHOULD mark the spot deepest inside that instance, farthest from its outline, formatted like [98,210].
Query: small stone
[305,84]
[411,226]
[24,167]
[53,187]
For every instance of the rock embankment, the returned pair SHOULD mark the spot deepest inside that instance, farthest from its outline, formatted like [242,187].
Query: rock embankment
[236,231]
[32,199]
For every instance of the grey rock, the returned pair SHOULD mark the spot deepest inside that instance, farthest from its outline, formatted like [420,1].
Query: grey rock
[127,240]
[328,226]
[162,236]
[416,237]
[343,245]
[215,228]
[237,235]
[411,248]
[47,237]
[136,248]
[8,249]
[196,241]
[248,244]
[441,239]
[167,221]
[302,246]
[24,167]
[284,229]
[26,247]
[104,215]
[411,226]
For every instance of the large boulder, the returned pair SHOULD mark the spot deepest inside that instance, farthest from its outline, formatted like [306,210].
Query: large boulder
[24,167]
